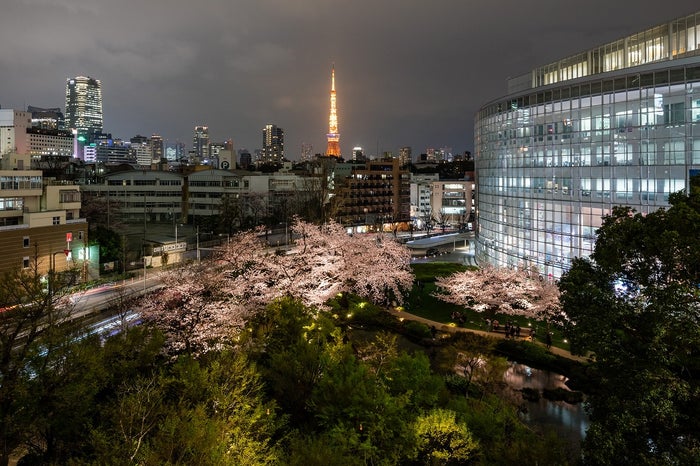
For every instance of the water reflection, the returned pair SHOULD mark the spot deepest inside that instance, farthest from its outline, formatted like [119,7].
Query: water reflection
[568,420]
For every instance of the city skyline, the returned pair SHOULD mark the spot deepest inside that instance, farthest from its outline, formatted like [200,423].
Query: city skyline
[414,76]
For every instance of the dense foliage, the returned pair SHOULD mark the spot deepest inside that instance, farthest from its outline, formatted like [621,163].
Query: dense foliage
[33,310]
[298,388]
[635,305]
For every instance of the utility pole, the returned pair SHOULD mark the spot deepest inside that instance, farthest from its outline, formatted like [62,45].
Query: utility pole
[144,266]
[198,244]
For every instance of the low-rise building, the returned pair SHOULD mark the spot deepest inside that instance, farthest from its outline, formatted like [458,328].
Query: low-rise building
[40,224]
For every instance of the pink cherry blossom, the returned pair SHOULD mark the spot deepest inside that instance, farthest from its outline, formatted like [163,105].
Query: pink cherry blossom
[200,304]
[501,290]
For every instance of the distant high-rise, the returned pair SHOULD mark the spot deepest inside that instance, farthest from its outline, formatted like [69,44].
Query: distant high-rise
[358,154]
[200,142]
[405,156]
[273,144]
[141,150]
[306,152]
[84,107]
[175,151]
[157,147]
[333,134]
[47,118]
[245,158]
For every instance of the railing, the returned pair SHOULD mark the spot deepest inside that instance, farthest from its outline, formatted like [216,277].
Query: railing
[14,227]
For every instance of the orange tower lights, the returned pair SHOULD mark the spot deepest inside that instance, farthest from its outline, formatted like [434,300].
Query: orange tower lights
[333,135]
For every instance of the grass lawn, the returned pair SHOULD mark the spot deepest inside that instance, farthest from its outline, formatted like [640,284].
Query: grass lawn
[422,302]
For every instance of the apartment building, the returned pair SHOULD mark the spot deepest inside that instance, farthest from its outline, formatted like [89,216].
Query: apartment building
[40,224]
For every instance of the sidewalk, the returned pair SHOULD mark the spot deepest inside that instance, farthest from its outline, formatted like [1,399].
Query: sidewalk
[448,328]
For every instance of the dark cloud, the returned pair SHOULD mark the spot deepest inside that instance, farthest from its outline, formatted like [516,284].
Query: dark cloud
[408,72]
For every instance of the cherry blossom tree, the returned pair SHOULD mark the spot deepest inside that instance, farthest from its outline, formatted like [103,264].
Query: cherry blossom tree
[324,261]
[193,310]
[201,305]
[501,290]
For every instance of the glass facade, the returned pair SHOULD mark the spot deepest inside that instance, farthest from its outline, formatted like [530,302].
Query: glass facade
[84,107]
[553,160]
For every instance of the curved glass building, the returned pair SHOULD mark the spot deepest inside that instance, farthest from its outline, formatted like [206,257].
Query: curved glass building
[615,125]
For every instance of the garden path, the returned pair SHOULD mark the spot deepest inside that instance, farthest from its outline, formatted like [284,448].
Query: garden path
[452,329]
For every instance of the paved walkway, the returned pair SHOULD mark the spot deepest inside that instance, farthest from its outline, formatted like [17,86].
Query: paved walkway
[450,329]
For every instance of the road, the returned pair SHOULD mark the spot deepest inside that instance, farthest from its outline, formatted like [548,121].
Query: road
[96,300]
[461,255]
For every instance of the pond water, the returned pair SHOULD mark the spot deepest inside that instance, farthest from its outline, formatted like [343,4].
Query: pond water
[570,421]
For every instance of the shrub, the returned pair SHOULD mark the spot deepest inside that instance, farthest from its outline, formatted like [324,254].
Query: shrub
[456,384]
[417,330]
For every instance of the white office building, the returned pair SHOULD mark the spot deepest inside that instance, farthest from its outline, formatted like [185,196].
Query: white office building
[615,125]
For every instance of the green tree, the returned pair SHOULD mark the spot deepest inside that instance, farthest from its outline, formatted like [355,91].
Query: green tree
[209,411]
[34,311]
[352,402]
[634,304]
[72,383]
[110,243]
[66,379]
[230,215]
[441,440]
[292,341]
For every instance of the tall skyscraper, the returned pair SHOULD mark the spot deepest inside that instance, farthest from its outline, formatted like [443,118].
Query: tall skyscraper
[84,107]
[273,144]
[200,142]
[333,134]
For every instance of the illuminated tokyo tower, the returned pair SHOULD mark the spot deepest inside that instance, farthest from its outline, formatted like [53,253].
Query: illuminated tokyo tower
[333,135]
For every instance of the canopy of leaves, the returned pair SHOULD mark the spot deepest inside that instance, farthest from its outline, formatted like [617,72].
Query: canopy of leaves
[296,389]
[634,304]
[32,333]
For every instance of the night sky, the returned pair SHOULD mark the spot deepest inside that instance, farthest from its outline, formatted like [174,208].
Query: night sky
[408,73]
